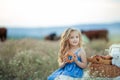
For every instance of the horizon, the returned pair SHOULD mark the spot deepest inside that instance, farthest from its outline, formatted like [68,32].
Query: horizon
[118,23]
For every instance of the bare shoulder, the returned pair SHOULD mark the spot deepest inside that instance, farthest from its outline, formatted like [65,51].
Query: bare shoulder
[82,52]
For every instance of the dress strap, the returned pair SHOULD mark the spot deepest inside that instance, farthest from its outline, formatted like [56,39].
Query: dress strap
[78,50]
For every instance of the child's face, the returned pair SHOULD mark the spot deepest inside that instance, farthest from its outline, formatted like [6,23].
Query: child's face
[74,38]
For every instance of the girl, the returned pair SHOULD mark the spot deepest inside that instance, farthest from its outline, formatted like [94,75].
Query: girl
[71,41]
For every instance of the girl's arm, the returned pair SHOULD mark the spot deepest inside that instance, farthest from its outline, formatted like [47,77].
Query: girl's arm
[83,63]
[62,63]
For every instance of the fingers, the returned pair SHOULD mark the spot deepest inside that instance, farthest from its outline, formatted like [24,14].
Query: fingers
[64,60]
[75,57]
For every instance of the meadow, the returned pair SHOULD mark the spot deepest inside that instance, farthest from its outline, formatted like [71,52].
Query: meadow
[34,59]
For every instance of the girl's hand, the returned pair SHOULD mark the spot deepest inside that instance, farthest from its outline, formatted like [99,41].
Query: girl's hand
[75,58]
[64,60]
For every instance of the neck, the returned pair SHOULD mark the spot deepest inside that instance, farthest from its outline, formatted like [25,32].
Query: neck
[73,47]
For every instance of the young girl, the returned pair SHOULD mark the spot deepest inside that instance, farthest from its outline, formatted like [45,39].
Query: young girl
[71,41]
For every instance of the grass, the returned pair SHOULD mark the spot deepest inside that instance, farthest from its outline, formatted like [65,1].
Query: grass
[32,59]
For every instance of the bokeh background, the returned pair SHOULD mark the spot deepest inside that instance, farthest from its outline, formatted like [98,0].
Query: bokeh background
[30,33]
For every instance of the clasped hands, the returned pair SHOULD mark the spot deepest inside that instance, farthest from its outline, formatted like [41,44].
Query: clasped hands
[70,57]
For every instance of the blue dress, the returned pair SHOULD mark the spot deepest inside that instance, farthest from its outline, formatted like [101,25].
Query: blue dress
[70,69]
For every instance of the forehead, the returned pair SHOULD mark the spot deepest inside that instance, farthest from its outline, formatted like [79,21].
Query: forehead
[74,33]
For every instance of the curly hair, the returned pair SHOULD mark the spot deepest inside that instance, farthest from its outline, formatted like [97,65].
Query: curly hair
[64,42]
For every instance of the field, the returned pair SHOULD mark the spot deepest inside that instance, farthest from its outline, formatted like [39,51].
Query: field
[33,59]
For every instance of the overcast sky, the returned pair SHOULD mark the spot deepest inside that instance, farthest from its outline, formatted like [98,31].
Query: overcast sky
[45,13]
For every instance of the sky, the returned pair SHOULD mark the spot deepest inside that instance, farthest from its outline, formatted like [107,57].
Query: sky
[46,13]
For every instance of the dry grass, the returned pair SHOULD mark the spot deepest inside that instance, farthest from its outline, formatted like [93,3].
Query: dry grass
[27,59]
[32,59]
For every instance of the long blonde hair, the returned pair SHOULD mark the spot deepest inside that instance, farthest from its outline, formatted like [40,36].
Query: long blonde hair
[64,43]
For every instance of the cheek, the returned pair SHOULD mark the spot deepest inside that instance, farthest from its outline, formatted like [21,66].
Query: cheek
[78,39]
[70,40]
